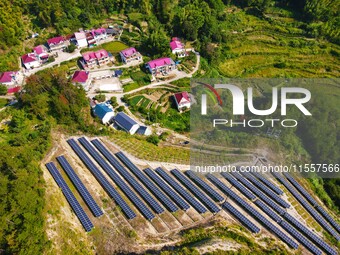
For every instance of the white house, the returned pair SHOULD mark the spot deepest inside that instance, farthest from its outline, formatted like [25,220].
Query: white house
[30,60]
[81,39]
[177,47]
[104,112]
[182,100]
[126,123]
[130,54]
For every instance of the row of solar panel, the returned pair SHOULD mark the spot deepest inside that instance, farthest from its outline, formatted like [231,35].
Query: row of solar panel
[130,214]
[79,211]
[307,206]
[323,245]
[147,182]
[312,201]
[254,213]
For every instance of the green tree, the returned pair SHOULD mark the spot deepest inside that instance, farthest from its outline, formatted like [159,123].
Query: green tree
[3,89]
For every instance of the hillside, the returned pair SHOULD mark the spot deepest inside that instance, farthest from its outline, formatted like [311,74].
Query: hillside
[236,38]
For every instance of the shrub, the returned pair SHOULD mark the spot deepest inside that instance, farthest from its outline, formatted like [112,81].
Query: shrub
[153,139]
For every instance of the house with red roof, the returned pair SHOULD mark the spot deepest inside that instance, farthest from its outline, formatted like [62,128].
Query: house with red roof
[81,77]
[91,59]
[177,47]
[161,66]
[102,57]
[99,34]
[130,54]
[41,52]
[57,43]
[9,78]
[182,100]
[30,60]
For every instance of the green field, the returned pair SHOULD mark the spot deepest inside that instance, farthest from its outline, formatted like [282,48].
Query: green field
[113,47]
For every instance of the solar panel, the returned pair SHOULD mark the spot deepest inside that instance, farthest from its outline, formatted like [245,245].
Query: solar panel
[271,185]
[307,196]
[80,187]
[268,211]
[255,190]
[167,189]
[307,206]
[304,230]
[102,180]
[266,190]
[123,172]
[213,194]
[328,217]
[254,213]
[300,238]
[78,210]
[239,186]
[152,187]
[194,190]
[116,178]
[197,205]
[312,201]
[243,219]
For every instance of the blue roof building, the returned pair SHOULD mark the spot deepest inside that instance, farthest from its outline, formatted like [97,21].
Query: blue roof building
[104,112]
[126,123]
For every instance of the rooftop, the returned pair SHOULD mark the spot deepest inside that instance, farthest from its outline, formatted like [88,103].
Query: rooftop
[80,76]
[129,52]
[6,77]
[55,40]
[176,44]
[160,62]
[30,57]
[182,97]
[125,121]
[100,110]
[80,35]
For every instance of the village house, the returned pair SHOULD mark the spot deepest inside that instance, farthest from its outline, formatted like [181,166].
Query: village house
[81,77]
[57,43]
[9,78]
[182,100]
[91,59]
[30,60]
[161,66]
[103,112]
[129,55]
[80,39]
[126,123]
[177,47]
[41,52]
[99,34]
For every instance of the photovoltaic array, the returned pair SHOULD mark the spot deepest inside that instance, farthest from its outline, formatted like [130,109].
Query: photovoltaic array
[85,194]
[78,210]
[102,180]
[152,187]
[116,178]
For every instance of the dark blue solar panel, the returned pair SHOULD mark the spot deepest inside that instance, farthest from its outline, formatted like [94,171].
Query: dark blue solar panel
[213,194]
[243,219]
[168,190]
[116,178]
[258,192]
[312,201]
[127,176]
[102,180]
[300,188]
[80,187]
[239,186]
[152,187]
[78,210]
[197,205]
[271,185]
[266,190]
[254,213]
[198,193]
[328,217]
[313,237]
[268,211]
[307,206]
